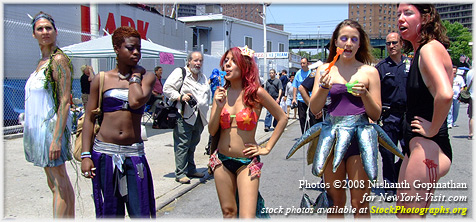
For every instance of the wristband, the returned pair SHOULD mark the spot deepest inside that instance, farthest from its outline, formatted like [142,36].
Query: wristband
[85,156]
[135,79]
[322,86]
[85,153]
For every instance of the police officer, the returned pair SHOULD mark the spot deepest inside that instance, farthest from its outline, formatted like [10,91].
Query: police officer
[393,72]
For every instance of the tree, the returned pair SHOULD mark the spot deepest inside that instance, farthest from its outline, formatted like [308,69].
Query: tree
[459,38]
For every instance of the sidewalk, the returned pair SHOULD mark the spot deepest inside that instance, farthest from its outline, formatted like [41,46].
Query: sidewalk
[27,195]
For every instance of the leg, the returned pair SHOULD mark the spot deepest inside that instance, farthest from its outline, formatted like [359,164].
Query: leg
[417,167]
[196,135]
[288,110]
[302,111]
[267,120]
[389,168]
[449,119]
[63,193]
[455,110]
[225,183]
[337,195]
[182,142]
[247,192]
[356,172]
[470,115]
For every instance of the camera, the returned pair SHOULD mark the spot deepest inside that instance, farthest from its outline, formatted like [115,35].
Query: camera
[192,102]
[294,105]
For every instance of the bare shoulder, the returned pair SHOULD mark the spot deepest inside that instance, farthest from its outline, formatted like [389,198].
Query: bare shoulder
[433,49]
[370,70]
[261,92]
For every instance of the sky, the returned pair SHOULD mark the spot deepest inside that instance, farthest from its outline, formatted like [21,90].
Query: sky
[305,18]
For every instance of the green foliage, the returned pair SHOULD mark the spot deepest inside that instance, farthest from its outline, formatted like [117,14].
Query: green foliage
[459,39]
[378,54]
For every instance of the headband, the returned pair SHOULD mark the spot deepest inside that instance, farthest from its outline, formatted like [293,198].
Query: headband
[44,16]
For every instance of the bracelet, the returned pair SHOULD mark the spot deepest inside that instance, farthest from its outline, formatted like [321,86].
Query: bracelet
[322,86]
[85,153]
[135,79]
[85,156]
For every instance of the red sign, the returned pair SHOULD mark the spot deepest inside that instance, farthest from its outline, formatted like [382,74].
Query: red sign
[110,26]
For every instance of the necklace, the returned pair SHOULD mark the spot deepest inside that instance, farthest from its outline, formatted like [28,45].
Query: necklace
[122,77]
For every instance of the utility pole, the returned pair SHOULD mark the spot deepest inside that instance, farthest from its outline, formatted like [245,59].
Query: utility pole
[265,64]
[93,18]
[317,53]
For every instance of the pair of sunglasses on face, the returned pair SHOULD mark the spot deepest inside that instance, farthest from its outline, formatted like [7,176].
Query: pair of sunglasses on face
[391,42]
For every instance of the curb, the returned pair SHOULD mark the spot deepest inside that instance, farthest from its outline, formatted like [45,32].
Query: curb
[181,189]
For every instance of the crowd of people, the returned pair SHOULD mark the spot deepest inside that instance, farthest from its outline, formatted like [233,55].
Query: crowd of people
[413,99]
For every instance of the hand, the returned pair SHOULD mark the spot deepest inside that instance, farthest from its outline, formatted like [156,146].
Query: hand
[186,97]
[422,126]
[55,150]
[138,70]
[277,100]
[325,79]
[220,96]
[87,168]
[319,115]
[359,90]
[251,150]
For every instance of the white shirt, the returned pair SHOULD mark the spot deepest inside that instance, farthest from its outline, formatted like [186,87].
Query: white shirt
[198,88]
[458,83]
[469,78]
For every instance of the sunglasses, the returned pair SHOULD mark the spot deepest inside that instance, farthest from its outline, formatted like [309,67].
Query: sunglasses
[392,42]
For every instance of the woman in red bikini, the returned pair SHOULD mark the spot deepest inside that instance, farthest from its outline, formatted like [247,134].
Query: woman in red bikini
[234,115]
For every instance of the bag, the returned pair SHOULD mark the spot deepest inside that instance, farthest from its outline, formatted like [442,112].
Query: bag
[78,142]
[167,116]
[464,96]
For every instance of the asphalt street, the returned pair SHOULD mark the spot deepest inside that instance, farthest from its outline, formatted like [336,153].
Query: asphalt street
[280,183]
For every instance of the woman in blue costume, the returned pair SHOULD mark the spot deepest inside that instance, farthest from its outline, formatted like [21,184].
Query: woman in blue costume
[115,159]
[234,116]
[47,128]
[364,100]
[429,93]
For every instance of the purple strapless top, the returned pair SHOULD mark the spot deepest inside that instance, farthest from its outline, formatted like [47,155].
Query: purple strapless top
[344,103]
[116,99]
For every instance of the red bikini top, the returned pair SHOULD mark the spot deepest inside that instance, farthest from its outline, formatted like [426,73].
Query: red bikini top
[246,119]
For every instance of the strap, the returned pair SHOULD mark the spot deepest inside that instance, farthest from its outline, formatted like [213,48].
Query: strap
[183,80]
[101,86]
[471,83]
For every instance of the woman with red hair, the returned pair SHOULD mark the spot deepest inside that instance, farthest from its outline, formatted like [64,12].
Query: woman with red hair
[234,116]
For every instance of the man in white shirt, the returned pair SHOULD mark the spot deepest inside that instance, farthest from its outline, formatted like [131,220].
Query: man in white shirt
[192,94]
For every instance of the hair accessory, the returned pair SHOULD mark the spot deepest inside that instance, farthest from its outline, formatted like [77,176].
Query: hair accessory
[247,51]
[44,16]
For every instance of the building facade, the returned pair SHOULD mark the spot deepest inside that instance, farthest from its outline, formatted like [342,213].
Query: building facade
[376,19]
[461,13]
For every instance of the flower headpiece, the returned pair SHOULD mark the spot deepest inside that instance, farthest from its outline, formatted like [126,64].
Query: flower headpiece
[247,51]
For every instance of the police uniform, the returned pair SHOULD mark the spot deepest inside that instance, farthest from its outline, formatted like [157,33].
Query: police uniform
[393,80]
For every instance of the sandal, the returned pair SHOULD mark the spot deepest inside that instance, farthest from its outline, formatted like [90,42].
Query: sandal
[470,137]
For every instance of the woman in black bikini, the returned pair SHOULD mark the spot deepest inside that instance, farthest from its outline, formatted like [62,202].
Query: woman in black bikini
[429,93]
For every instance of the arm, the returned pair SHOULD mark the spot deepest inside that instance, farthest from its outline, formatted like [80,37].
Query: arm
[294,84]
[304,94]
[370,94]
[62,76]
[436,70]
[139,94]
[268,102]
[88,124]
[218,103]
[173,84]
[319,94]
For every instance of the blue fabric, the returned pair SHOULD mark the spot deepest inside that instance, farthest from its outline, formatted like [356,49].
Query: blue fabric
[298,79]
[393,80]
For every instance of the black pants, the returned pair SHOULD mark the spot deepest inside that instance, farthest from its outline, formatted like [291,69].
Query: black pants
[393,126]
[302,112]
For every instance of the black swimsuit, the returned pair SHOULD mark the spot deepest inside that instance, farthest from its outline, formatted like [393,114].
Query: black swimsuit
[420,103]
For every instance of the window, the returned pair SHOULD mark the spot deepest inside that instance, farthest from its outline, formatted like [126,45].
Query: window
[268,46]
[249,42]
[370,11]
[281,47]
[357,6]
[365,18]
[365,11]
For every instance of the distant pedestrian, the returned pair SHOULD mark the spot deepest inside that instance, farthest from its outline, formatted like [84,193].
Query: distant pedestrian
[275,89]
[297,97]
[157,95]
[458,83]
[86,78]
[288,95]
[469,80]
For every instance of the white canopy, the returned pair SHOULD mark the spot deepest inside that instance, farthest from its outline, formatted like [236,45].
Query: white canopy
[102,48]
